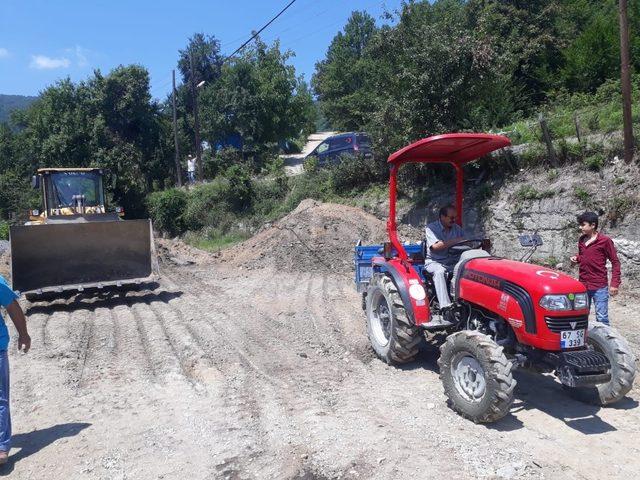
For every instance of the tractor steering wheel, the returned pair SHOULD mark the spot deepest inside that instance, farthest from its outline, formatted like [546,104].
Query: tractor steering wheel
[464,245]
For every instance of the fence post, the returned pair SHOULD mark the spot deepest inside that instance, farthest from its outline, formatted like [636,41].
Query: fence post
[577,124]
[546,135]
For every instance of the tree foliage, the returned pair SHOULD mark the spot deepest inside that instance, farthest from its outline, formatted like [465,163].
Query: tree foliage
[453,65]
[111,121]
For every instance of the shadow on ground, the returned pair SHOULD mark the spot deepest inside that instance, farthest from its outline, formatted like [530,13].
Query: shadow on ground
[92,301]
[545,394]
[33,442]
[535,392]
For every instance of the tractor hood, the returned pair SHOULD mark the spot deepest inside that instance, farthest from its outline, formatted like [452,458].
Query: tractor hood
[536,280]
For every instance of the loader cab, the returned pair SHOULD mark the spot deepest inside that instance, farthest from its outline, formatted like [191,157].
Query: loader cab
[67,192]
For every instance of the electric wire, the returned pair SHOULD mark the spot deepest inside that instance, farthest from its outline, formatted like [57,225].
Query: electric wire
[258,32]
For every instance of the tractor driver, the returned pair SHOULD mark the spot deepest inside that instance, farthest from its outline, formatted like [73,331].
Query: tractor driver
[440,236]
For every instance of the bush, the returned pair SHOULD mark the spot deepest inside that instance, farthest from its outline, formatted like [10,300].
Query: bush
[582,195]
[311,164]
[309,185]
[533,155]
[4,230]
[356,173]
[210,205]
[240,187]
[217,163]
[167,209]
[619,207]
[594,162]
[569,151]
[527,192]
[268,195]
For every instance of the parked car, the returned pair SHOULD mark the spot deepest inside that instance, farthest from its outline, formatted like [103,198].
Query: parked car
[351,143]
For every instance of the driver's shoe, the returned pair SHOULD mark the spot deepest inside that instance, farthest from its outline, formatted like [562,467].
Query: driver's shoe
[449,314]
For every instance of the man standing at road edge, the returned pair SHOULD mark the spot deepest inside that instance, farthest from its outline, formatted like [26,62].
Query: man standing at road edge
[8,299]
[594,249]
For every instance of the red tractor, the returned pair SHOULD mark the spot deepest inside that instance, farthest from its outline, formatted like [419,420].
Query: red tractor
[506,314]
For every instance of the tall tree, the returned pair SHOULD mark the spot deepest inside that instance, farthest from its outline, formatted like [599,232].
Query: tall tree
[257,99]
[341,80]
[207,59]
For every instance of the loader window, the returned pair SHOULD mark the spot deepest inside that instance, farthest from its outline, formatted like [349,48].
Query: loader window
[67,185]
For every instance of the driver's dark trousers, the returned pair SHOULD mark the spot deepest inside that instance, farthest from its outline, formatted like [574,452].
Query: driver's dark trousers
[439,273]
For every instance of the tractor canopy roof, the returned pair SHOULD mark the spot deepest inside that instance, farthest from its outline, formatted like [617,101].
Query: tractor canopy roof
[455,148]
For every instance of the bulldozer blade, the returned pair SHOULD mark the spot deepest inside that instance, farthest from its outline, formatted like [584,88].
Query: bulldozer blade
[74,256]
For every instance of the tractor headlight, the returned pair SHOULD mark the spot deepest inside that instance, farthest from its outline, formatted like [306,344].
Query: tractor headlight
[555,302]
[580,301]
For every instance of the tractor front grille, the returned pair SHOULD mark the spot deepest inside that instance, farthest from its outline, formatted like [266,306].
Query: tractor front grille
[558,324]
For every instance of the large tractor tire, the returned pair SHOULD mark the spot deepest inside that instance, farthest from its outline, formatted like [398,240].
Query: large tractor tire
[476,376]
[393,337]
[604,339]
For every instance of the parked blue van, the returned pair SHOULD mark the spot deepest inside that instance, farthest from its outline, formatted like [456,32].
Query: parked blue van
[350,143]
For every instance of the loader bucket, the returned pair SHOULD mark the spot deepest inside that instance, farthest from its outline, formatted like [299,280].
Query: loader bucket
[74,256]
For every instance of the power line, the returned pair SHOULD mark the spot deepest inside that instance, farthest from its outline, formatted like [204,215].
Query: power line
[258,32]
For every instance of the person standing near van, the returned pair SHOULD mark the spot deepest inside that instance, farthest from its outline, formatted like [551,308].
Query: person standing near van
[594,249]
[191,169]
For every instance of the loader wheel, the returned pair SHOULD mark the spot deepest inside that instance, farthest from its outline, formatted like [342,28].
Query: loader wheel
[604,339]
[393,337]
[476,376]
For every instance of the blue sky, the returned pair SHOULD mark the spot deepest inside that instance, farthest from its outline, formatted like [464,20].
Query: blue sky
[43,41]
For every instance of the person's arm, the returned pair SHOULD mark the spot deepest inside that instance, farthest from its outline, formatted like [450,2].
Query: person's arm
[612,255]
[444,244]
[437,245]
[17,317]
[576,258]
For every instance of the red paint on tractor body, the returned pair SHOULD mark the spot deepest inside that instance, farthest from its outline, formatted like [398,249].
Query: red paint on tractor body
[537,281]
[483,280]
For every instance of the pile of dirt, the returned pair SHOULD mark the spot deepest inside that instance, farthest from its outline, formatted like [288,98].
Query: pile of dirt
[176,252]
[315,237]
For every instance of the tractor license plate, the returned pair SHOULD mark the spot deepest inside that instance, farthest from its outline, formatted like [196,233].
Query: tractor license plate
[571,338]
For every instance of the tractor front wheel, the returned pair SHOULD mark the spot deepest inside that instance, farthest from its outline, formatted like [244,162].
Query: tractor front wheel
[476,376]
[392,335]
[606,340]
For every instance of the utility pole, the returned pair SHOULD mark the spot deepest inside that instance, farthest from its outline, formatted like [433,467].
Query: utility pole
[625,81]
[196,122]
[175,131]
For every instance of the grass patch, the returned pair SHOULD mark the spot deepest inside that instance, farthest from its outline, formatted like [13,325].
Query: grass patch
[582,195]
[594,162]
[213,240]
[4,230]
[529,192]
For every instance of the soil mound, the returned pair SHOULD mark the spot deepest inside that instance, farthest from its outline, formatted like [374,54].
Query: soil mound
[315,237]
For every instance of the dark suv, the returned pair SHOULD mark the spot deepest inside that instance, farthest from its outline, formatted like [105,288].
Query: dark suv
[352,143]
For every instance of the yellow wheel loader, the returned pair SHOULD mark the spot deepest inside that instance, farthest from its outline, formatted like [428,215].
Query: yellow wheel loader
[74,243]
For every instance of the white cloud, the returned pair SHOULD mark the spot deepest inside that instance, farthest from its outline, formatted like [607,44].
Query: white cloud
[4,53]
[42,62]
[81,56]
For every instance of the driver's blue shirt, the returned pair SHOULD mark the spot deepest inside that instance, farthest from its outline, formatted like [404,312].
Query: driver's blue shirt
[7,296]
[435,233]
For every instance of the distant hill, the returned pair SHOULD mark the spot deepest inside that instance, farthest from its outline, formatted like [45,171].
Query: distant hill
[8,103]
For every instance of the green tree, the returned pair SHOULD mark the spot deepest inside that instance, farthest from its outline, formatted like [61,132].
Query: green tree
[207,59]
[259,99]
[342,80]
[108,121]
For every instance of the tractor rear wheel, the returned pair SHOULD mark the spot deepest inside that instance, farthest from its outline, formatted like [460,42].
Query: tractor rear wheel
[476,376]
[606,340]
[393,337]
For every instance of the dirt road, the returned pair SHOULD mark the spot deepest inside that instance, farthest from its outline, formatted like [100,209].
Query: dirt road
[220,373]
